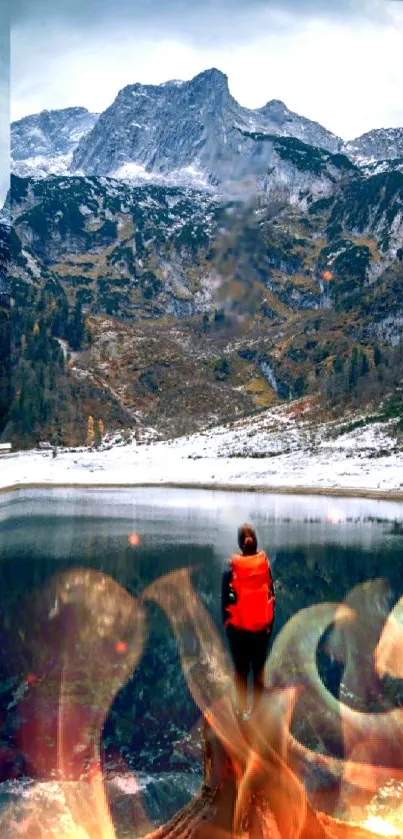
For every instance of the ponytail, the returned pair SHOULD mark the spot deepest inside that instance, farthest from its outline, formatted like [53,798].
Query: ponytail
[247,540]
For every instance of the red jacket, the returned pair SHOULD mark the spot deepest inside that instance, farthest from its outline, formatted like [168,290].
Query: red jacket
[247,594]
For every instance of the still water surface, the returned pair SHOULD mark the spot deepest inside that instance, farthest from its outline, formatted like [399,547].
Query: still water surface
[320,549]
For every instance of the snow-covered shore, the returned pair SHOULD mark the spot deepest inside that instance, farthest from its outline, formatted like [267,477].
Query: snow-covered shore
[270,452]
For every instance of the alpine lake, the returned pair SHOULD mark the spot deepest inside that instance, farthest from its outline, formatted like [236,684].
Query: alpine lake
[321,549]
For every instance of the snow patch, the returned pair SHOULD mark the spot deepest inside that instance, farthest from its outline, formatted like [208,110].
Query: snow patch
[273,449]
[41,166]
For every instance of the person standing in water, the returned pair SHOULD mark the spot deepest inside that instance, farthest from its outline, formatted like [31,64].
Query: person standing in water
[248,602]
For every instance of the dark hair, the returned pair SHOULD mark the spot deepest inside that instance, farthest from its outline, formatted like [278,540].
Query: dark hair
[247,539]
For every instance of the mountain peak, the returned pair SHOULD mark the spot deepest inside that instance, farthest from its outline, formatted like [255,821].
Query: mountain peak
[53,113]
[275,109]
[72,109]
[45,142]
[185,130]
[378,144]
[172,83]
[213,73]
[212,78]
[276,104]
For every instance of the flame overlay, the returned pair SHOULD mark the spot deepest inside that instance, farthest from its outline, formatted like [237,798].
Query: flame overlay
[255,773]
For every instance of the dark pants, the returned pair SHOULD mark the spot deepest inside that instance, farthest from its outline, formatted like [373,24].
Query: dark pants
[249,652]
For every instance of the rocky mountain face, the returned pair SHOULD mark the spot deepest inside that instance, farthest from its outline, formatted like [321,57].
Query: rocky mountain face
[196,134]
[277,119]
[379,144]
[238,250]
[193,131]
[251,302]
[152,250]
[43,143]
[184,130]
[122,250]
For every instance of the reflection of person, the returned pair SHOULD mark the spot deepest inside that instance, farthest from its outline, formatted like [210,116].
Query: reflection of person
[248,600]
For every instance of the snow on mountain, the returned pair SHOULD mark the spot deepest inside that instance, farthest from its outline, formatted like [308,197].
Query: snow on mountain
[5,215]
[190,133]
[379,167]
[380,144]
[279,120]
[41,166]
[195,132]
[43,144]
[137,174]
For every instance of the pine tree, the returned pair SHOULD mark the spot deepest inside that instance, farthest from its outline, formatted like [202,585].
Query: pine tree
[364,367]
[77,328]
[205,322]
[378,358]
[353,372]
[99,432]
[90,431]
[338,364]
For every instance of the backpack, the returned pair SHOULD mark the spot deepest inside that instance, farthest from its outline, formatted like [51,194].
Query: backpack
[250,606]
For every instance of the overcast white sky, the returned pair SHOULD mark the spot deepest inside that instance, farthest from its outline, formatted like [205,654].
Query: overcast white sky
[336,61]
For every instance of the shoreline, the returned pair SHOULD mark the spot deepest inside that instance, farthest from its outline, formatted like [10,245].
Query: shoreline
[331,492]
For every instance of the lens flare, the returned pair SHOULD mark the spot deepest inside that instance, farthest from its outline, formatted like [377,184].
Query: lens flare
[133,540]
[334,517]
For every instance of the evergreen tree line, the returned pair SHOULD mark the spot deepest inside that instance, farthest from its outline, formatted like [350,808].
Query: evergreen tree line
[38,397]
[368,376]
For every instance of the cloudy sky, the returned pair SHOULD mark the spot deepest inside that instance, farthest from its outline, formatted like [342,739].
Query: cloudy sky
[335,61]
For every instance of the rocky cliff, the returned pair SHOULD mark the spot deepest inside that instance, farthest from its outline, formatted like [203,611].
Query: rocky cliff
[198,247]
[44,143]
[193,132]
